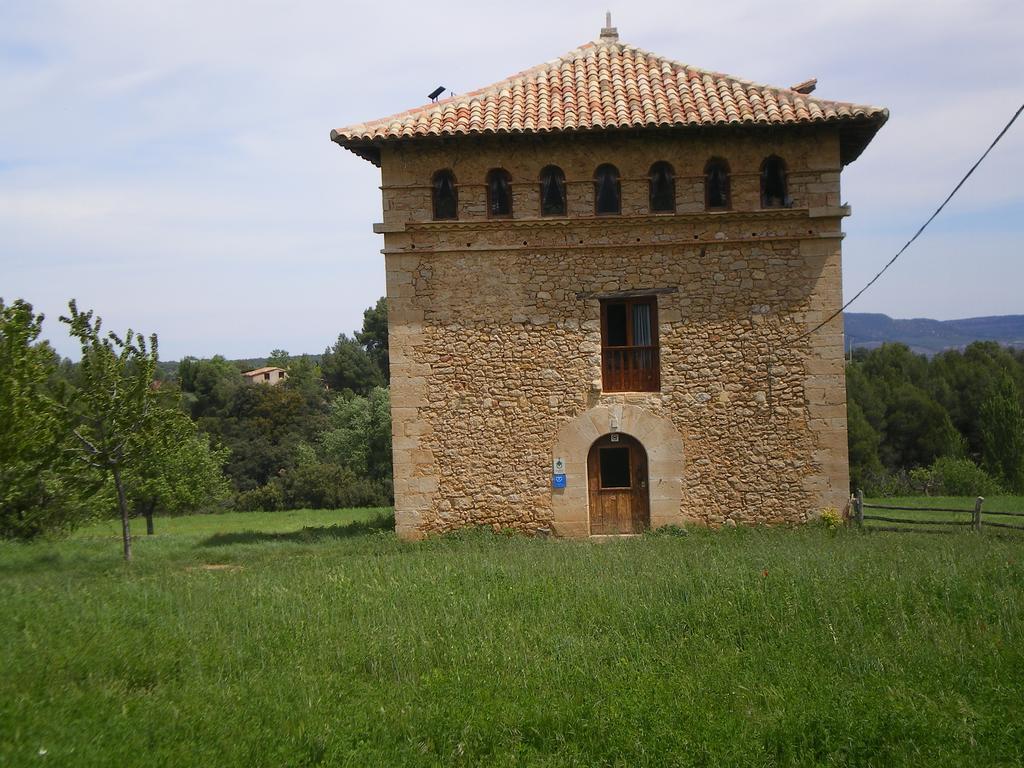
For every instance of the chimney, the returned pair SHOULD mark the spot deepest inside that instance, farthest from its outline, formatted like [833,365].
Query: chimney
[609,34]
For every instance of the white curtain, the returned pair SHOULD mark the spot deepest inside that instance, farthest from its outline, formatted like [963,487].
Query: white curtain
[641,325]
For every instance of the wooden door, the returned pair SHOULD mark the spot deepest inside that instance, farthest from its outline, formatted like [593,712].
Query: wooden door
[617,482]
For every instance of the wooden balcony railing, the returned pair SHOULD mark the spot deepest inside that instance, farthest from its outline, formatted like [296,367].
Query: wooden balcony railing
[630,369]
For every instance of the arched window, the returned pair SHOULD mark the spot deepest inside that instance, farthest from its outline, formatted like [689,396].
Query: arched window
[773,183]
[499,193]
[552,191]
[716,184]
[607,190]
[663,188]
[444,195]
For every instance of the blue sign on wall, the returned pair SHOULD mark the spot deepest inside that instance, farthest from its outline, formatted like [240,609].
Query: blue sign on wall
[558,481]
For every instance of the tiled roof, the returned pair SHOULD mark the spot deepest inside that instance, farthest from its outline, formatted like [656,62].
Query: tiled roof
[610,85]
[265,369]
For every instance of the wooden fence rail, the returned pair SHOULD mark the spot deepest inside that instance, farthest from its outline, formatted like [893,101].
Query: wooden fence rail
[977,522]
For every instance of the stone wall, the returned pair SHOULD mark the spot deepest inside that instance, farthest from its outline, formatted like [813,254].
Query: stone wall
[495,330]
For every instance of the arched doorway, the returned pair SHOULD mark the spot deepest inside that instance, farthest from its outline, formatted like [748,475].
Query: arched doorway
[618,487]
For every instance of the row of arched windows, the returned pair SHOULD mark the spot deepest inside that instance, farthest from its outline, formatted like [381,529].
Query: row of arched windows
[608,189]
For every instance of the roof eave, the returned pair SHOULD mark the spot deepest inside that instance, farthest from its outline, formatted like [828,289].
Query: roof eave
[856,134]
[367,150]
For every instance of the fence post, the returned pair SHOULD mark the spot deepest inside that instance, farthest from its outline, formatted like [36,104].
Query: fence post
[977,514]
[860,508]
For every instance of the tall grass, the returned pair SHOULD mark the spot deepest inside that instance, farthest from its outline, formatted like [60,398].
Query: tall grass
[323,640]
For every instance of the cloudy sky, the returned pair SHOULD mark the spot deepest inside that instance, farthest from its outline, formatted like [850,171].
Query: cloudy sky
[168,163]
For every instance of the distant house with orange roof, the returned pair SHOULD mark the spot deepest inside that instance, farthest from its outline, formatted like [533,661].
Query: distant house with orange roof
[270,374]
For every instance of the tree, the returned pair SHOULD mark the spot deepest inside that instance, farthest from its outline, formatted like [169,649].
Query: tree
[862,389]
[176,470]
[917,430]
[208,385]
[1002,435]
[262,427]
[359,435]
[279,358]
[962,381]
[114,410]
[863,443]
[894,364]
[374,336]
[34,466]
[304,376]
[347,366]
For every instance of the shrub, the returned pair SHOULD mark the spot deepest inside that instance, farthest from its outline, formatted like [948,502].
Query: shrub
[962,477]
[328,486]
[266,498]
[880,483]
[366,492]
[313,485]
[947,476]
[922,481]
[831,518]
[316,486]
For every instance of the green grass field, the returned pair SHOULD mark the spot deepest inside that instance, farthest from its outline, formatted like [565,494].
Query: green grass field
[317,638]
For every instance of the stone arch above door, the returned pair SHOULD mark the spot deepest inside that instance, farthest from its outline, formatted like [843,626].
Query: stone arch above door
[659,437]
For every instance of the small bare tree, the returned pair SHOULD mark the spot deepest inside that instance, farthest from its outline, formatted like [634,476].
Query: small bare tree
[114,403]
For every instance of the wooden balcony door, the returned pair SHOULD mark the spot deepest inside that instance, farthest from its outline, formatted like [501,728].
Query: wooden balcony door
[617,483]
[630,358]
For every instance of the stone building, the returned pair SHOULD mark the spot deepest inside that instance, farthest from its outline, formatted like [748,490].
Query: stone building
[602,278]
[269,375]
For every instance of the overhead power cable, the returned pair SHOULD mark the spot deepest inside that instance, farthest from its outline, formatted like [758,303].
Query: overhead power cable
[917,234]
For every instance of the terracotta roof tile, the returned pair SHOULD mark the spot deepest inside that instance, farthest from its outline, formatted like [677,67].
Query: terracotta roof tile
[608,84]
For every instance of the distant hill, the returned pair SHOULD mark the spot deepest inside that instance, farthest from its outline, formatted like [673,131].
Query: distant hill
[927,337]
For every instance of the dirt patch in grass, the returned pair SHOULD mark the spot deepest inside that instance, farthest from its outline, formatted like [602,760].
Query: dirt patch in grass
[215,567]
